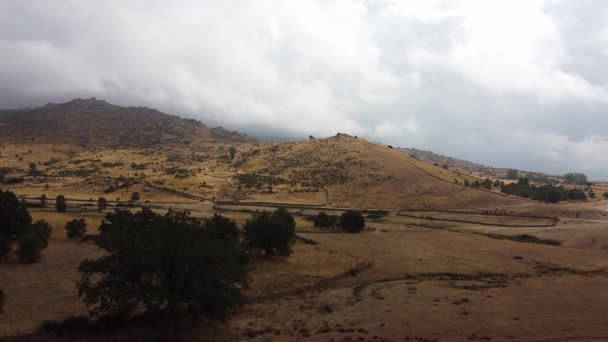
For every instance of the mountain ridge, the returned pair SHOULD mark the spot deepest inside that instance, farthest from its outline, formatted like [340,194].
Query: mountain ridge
[97,123]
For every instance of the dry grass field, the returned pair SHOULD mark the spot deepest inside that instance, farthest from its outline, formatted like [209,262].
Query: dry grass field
[446,262]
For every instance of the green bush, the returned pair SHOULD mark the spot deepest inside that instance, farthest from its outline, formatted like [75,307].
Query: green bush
[61,204]
[30,247]
[76,228]
[352,221]
[274,234]
[323,220]
[168,263]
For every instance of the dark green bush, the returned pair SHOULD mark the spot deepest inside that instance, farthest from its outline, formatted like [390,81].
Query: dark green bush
[352,221]
[76,228]
[274,234]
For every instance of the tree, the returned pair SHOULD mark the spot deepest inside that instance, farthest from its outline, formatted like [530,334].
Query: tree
[467,182]
[102,204]
[605,195]
[512,174]
[274,234]
[15,220]
[135,196]
[61,204]
[487,184]
[76,228]
[16,225]
[220,227]
[322,220]
[43,231]
[43,200]
[575,178]
[163,263]
[232,152]
[30,247]
[352,221]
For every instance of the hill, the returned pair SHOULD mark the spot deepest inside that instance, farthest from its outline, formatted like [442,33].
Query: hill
[356,173]
[475,169]
[97,123]
[106,150]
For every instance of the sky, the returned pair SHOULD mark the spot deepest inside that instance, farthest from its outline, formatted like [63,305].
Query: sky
[509,83]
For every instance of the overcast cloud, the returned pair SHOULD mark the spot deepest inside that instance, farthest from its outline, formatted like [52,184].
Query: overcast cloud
[518,83]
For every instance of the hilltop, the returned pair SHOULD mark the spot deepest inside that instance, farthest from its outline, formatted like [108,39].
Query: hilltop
[96,123]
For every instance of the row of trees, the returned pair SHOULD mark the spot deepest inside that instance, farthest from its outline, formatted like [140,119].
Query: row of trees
[350,221]
[172,263]
[485,184]
[545,193]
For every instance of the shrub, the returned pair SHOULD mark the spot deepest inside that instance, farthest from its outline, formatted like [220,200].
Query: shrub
[220,227]
[232,151]
[43,230]
[43,200]
[61,204]
[322,220]
[135,196]
[512,174]
[162,263]
[16,225]
[352,221]
[30,247]
[273,234]
[76,228]
[102,203]
[605,195]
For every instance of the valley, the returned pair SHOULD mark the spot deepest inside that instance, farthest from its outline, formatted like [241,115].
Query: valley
[436,261]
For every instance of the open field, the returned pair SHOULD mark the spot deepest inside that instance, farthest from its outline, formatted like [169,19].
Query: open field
[437,260]
[403,277]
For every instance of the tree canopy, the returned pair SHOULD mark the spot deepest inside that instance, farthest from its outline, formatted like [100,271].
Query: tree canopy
[546,193]
[274,234]
[575,178]
[164,263]
[352,221]
[16,226]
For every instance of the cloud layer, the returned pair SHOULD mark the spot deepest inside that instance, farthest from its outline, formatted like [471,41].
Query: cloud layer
[519,83]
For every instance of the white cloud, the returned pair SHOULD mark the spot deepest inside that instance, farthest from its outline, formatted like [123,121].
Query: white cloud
[448,75]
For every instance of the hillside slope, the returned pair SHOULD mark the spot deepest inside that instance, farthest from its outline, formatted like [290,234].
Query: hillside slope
[474,169]
[360,174]
[96,123]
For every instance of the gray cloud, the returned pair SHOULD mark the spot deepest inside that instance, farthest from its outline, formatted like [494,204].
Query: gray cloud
[507,83]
